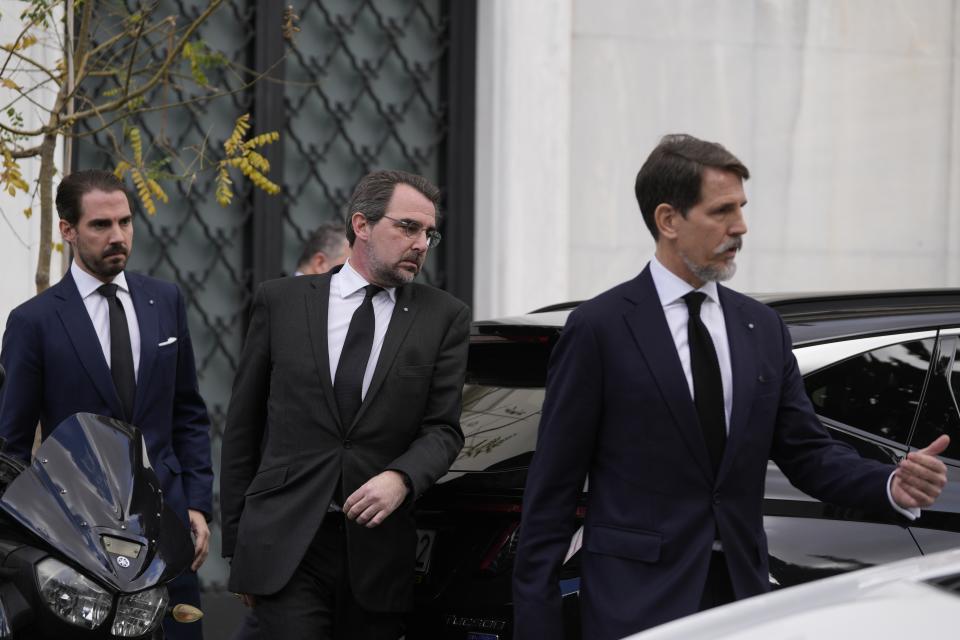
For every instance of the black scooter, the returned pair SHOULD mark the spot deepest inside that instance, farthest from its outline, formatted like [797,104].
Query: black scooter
[86,542]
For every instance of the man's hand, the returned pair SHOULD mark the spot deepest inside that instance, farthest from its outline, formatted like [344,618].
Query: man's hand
[376,499]
[921,476]
[201,534]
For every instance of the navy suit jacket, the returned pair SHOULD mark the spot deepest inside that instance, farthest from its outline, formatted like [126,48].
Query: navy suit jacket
[56,367]
[618,409]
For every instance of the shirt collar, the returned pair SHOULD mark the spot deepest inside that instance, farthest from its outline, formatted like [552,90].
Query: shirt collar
[87,284]
[350,282]
[671,287]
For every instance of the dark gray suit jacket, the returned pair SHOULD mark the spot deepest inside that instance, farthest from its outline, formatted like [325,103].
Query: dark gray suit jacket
[284,449]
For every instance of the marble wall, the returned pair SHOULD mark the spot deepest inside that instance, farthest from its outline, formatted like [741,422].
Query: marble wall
[846,111]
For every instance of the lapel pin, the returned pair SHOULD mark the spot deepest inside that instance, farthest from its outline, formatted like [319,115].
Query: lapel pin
[749,325]
[150,302]
[405,309]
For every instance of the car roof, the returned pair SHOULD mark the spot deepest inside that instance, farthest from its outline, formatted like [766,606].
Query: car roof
[811,317]
[886,601]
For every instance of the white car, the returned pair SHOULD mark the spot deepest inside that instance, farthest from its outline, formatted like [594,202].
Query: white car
[914,598]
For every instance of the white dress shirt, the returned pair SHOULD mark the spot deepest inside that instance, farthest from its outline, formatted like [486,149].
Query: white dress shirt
[346,295]
[671,289]
[99,311]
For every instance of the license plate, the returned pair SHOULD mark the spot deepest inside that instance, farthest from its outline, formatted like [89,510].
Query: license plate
[473,635]
[425,540]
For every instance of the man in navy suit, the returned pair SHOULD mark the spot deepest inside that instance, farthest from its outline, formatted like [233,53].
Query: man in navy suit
[61,357]
[671,392]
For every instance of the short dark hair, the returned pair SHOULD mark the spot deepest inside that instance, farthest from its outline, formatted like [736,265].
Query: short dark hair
[373,192]
[673,174]
[73,187]
[325,239]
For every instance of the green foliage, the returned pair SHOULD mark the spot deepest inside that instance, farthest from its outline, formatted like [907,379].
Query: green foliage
[15,119]
[201,58]
[39,12]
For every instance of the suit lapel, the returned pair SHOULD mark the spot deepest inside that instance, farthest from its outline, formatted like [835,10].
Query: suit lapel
[401,320]
[652,335]
[145,307]
[317,306]
[743,364]
[79,329]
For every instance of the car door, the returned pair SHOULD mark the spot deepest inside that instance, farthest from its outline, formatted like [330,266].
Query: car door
[867,392]
[939,526]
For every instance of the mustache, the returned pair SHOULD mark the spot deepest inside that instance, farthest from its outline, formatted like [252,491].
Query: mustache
[727,245]
[115,250]
[414,256]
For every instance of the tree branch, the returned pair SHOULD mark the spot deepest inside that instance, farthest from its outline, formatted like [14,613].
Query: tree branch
[171,57]
[106,124]
[39,67]
[31,152]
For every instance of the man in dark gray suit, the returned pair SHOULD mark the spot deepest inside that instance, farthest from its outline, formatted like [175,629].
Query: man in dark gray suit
[325,249]
[351,383]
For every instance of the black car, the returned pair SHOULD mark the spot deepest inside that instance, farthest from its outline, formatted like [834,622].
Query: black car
[882,370]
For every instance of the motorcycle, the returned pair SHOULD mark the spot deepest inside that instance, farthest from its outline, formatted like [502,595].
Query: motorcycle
[87,544]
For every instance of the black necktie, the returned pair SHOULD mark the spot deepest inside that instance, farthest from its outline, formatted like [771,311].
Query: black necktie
[707,383]
[348,382]
[121,354]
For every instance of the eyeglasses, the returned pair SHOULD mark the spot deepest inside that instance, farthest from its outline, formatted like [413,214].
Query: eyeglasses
[413,229]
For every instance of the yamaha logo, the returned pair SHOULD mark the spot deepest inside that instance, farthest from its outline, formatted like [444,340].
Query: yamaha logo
[123,561]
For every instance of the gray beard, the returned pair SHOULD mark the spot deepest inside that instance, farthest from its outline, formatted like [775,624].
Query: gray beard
[384,275]
[710,273]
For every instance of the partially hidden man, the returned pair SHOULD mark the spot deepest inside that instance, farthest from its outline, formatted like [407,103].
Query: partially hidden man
[671,392]
[345,408]
[113,342]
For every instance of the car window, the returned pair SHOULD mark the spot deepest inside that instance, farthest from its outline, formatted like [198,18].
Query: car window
[940,413]
[878,391]
[499,427]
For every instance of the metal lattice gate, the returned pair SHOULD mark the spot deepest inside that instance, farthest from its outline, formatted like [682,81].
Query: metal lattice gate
[364,85]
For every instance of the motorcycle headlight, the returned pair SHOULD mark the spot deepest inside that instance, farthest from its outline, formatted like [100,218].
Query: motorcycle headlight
[71,596]
[140,613]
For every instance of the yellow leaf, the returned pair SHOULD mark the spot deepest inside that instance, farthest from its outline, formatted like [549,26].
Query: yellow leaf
[143,191]
[137,145]
[9,84]
[235,141]
[224,193]
[157,190]
[28,212]
[58,247]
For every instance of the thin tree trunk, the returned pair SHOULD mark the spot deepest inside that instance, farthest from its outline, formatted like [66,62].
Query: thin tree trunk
[47,171]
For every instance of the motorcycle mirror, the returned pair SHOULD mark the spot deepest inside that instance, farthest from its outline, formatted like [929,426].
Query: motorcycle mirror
[186,613]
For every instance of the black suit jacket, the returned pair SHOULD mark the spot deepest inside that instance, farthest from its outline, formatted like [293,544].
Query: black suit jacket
[618,408]
[273,502]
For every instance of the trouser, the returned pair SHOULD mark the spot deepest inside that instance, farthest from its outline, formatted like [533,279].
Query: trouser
[317,603]
[185,589]
[718,590]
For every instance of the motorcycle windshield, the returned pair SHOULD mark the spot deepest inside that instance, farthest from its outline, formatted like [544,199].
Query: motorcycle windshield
[91,495]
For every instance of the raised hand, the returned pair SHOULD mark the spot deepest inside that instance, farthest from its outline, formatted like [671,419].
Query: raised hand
[921,476]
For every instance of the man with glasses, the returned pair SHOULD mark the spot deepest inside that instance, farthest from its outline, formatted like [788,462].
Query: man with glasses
[345,408]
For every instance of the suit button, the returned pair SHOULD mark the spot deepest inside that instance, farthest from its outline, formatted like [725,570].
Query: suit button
[716,499]
[347,444]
